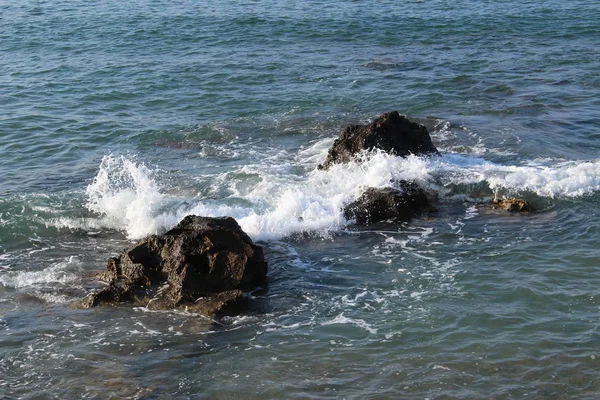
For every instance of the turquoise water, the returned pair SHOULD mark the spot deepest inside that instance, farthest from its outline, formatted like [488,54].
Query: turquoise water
[118,119]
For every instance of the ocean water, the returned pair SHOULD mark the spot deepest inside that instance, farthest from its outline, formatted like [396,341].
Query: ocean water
[119,118]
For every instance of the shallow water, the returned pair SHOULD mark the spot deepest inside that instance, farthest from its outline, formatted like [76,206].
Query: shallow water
[119,119]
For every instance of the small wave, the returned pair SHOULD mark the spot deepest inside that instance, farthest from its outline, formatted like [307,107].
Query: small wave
[58,273]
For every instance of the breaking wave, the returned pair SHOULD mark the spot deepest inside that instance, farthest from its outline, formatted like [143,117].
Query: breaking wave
[126,194]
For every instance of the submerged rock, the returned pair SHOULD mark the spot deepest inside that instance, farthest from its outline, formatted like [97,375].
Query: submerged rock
[382,204]
[512,205]
[391,132]
[202,264]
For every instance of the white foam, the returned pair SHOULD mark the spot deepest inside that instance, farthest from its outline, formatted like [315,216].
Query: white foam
[551,179]
[58,273]
[343,320]
[569,179]
[87,224]
[126,197]
[54,298]
[281,201]
[125,194]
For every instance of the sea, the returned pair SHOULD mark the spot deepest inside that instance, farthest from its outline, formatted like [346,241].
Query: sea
[117,119]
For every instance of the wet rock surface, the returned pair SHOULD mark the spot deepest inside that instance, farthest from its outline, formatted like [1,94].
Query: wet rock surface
[383,204]
[512,205]
[203,264]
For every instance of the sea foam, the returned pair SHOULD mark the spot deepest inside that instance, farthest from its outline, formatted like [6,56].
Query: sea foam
[60,272]
[547,179]
[125,194]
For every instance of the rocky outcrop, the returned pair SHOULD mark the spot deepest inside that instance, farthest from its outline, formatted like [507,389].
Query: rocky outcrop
[512,205]
[391,132]
[397,135]
[202,264]
[382,204]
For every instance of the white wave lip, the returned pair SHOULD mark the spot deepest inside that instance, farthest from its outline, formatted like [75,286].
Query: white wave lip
[127,197]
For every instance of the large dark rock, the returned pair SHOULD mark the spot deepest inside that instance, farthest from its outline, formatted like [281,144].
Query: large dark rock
[382,204]
[391,132]
[204,264]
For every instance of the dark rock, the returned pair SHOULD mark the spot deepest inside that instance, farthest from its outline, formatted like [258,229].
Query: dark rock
[229,302]
[512,205]
[202,263]
[382,204]
[391,132]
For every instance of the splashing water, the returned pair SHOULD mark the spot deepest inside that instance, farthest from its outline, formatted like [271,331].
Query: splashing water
[128,197]
[124,193]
